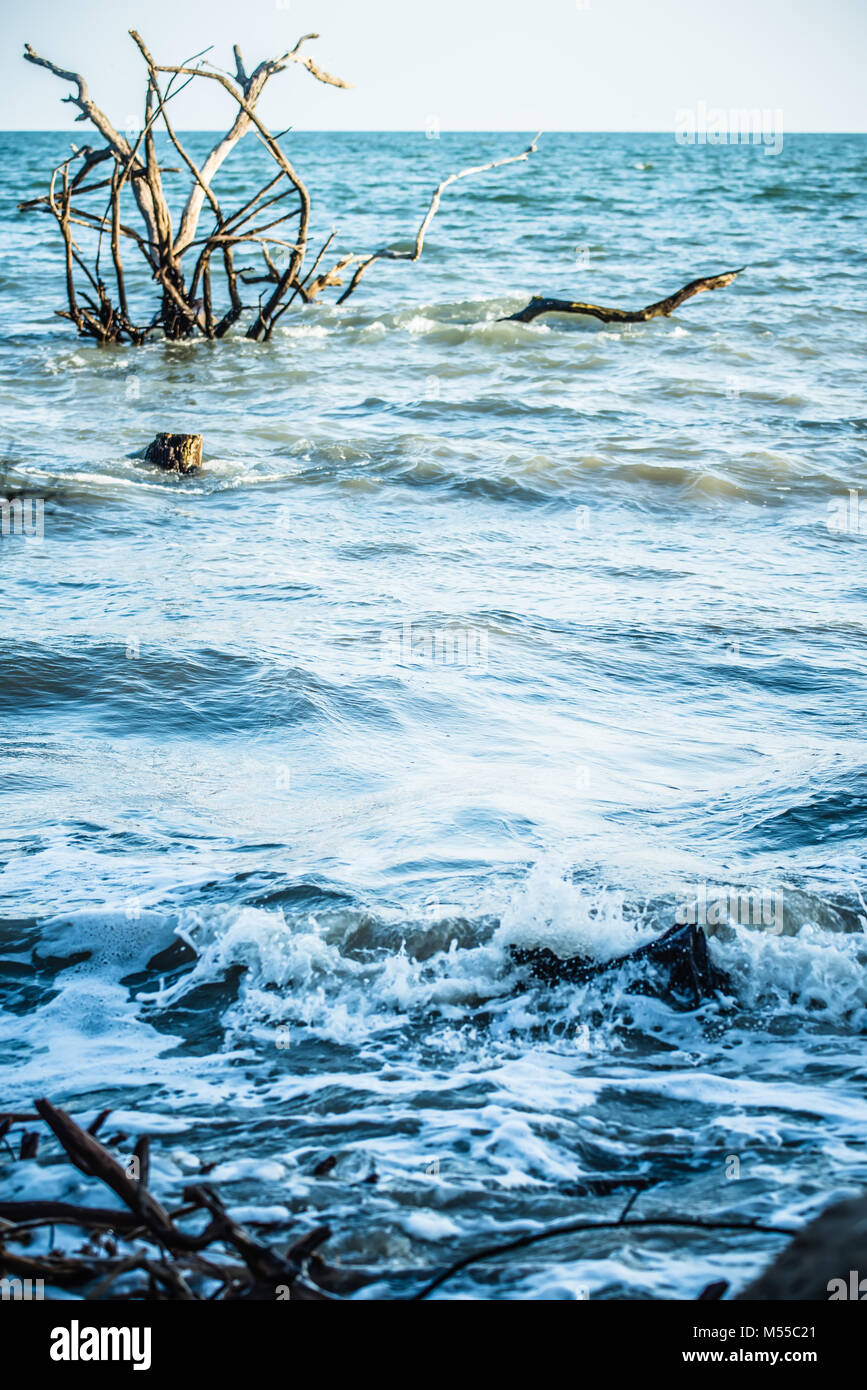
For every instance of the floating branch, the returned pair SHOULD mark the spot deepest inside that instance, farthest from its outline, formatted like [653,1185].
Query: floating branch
[661,309]
[176,1266]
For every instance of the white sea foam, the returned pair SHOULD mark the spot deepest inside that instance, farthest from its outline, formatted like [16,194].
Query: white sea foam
[569,918]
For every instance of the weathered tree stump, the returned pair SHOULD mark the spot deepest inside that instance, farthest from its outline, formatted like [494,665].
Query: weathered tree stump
[177,453]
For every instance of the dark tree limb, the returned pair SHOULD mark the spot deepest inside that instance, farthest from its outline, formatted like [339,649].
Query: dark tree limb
[661,309]
[264,1267]
[29,1215]
[179,1261]
[88,1155]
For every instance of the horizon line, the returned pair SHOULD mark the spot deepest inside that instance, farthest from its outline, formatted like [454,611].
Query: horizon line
[418,130]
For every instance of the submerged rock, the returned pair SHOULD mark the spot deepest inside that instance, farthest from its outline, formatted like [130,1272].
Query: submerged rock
[680,968]
[177,453]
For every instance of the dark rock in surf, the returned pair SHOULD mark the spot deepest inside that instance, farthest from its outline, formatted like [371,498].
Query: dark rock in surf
[176,453]
[823,1264]
[679,968]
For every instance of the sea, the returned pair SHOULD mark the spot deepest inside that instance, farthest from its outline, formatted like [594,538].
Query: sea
[472,634]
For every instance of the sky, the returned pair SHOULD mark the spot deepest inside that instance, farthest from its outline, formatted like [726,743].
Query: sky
[468,64]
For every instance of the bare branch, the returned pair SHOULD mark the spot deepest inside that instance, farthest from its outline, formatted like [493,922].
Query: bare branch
[246,92]
[573,1227]
[205,187]
[115,246]
[63,221]
[240,70]
[120,147]
[388,254]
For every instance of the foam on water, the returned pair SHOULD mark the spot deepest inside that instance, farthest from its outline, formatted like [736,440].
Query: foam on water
[567,918]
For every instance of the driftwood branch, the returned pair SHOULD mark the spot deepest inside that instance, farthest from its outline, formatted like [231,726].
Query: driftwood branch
[262,1267]
[178,1265]
[386,252]
[144,1237]
[137,168]
[661,309]
[117,144]
[246,91]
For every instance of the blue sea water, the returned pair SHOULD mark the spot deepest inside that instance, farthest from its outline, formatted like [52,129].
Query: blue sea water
[473,633]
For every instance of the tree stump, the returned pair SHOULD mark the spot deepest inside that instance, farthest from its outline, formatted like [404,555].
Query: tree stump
[177,453]
[682,971]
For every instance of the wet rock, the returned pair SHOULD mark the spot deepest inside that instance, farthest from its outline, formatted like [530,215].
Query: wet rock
[677,969]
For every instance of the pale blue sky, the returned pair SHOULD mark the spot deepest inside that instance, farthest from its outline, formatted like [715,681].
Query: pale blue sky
[474,64]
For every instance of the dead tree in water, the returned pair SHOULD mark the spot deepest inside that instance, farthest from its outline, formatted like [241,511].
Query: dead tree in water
[183,263]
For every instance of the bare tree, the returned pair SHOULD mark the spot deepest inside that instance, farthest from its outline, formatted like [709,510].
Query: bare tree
[93,188]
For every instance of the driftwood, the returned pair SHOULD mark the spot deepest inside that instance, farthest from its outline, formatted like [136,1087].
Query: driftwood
[241,1266]
[567,1228]
[413,255]
[185,264]
[661,309]
[176,453]
[225,1262]
[675,966]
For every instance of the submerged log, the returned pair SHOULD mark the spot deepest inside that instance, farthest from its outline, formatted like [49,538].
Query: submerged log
[681,971]
[176,453]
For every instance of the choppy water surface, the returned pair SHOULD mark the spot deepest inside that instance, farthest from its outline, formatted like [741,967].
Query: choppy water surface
[263,858]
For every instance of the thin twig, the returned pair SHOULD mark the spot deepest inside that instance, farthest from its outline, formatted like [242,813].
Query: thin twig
[571,1227]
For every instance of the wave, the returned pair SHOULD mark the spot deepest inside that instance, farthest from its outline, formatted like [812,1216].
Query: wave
[172,692]
[346,973]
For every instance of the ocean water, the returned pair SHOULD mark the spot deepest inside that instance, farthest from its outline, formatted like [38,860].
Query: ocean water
[268,834]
